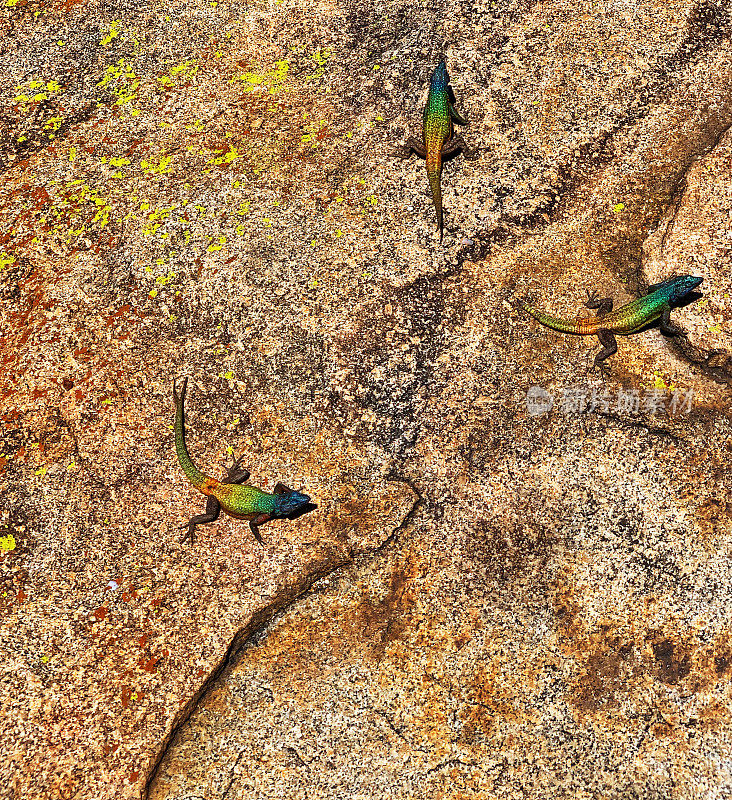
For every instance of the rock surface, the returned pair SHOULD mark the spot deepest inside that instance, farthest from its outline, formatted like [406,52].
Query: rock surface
[494,598]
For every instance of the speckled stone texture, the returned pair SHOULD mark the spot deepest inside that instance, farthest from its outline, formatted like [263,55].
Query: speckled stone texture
[492,599]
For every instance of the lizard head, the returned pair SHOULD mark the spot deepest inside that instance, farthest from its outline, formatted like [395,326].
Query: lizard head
[677,287]
[289,502]
[440,78]
[682,285]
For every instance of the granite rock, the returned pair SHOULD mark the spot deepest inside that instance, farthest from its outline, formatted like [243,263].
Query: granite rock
[491,599]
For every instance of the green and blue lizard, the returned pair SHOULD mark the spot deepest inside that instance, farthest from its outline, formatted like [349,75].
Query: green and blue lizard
[229,495]
[632,317]
[438,139]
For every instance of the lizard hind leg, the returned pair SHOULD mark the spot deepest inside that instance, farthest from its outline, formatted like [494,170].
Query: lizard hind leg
[609,347]
[458,143]
[412,144]
[213,509]
[604,305]
[236,475]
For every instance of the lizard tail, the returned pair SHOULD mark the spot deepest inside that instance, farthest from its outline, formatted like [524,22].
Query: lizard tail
[434,178]
[557,323]
[204,483]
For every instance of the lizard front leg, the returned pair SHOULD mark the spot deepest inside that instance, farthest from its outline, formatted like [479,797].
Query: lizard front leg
[454,114]
[609,347]
[667,327]
[412,144]
[254,524]
[213,509]
[604,305]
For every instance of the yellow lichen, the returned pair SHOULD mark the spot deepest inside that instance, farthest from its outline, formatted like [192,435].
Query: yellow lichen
[271,80]
[112,33]
[320,57]
[213,247]
[36,91]
[52,124]
[163,280]
[161,168]
[121,80]
[226,157]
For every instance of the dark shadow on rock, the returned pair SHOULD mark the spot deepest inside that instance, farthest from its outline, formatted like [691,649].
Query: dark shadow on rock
[688,300]
[306,509]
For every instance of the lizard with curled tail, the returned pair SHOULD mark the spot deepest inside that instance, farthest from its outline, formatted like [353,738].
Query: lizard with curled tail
[230,494]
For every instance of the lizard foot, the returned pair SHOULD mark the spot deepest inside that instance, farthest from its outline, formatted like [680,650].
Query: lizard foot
[187,535]
[236,475]
[673,330]
[402,152]
[412,145]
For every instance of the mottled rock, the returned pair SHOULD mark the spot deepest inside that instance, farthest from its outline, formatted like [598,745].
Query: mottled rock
[487,601]
[695,236]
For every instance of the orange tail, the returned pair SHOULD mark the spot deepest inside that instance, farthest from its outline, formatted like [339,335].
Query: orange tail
[434,179]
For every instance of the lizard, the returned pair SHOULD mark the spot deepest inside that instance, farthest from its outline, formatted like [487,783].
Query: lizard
[655,304]
[438,137]
[229,494]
